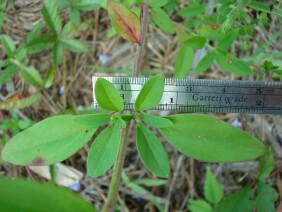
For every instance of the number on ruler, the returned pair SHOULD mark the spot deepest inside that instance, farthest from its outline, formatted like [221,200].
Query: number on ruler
[259,91]
[259,102]
[189,89]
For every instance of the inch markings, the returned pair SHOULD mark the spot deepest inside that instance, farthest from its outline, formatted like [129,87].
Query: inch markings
[203,95]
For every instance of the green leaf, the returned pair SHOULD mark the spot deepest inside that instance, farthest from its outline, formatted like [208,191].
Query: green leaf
[20,54]
[92,120]
[8,45]
[7,74]
[212,190]
[259,6]
[69,30]
[47,142]
[129,3]
[181,32]
[34,32]
[241,200]
[31,76]
[150,182]
[49,78]
[266,164]
[199,206]
[140,190]
[35,196]
[228,39]
[126,117]
[58,52]
[19,103]
[150,94]
[62,4]
[107,96]
[88,5]
[157,3]
[51,16]
[208,139]
[24,124]
[74,16]
[205,63]
[156,121]
[212,32]
[74,45]
[103,151]
[184,61]
[162,20]
[4,63]
[192,10]
[126,23]
[3,5]
[265,198]
[43,39]
[152,152]
[197,42]
[228,63]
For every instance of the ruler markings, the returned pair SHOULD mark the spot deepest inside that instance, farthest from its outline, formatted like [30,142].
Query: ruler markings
[204,95]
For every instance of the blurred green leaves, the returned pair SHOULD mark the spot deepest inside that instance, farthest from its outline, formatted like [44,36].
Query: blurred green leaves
[162,20]
[184,61]
[51,17]
[241,200]
[37,196]
[59,38]
[75,6]
[16,61]
[205,63]
[212,190]
[8,45]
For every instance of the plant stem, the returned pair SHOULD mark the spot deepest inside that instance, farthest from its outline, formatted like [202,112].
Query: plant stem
[112,195]
[138,56]
[64,80]
[116,178]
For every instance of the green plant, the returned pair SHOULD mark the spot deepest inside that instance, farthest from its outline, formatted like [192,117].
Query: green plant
[260,196]
[204,138]
[16,58]
[33,196]
[59,40]
[137,186]
[14,124]
[57,138]
[75,6]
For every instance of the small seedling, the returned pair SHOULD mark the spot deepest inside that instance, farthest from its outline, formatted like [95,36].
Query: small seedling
[260,196]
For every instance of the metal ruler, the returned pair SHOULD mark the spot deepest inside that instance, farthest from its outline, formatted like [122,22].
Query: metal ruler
[202,95]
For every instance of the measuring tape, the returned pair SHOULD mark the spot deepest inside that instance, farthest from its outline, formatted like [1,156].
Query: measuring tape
[203,95]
